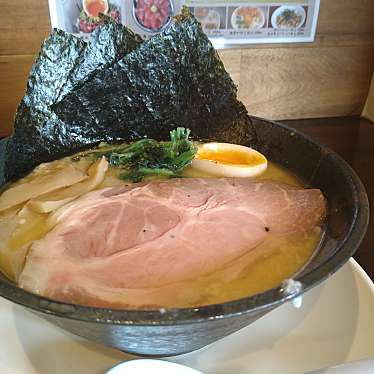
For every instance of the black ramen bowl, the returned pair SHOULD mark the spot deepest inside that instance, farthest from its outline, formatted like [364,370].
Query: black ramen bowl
[168,332]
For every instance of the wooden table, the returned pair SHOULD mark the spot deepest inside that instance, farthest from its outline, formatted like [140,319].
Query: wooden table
[353,139]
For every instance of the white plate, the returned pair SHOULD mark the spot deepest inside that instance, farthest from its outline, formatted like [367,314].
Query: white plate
[144,366]
[296,8]
[334,325]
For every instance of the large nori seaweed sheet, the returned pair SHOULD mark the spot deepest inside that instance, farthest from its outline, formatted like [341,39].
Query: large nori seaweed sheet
[3,144]
[64,62]
[109,42]
[174,79]
[58,57]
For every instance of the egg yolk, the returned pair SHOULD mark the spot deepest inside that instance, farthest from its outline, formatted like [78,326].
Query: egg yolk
[232,156]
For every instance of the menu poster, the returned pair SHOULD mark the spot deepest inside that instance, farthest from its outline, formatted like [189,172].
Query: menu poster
[226,22]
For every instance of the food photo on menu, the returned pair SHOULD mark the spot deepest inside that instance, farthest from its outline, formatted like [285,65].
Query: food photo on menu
[154,220]
[82,16]
[224,23]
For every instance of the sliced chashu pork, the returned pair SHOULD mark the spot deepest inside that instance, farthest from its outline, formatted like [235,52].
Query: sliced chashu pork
[111,246]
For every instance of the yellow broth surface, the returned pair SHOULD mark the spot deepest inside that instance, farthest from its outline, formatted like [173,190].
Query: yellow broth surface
[264,267]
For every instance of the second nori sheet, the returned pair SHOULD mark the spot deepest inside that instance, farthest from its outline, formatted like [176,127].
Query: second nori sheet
[175,79]
[109,42]
[64,62]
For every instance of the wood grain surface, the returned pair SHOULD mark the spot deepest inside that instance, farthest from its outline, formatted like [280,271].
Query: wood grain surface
[329,77]
[23,26]
[13,75]
[346,17]
[300,83]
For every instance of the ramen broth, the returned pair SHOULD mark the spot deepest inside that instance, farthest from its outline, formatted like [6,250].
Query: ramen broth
[266,265]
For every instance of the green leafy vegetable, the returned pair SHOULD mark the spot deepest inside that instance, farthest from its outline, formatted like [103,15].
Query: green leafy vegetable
[148,157]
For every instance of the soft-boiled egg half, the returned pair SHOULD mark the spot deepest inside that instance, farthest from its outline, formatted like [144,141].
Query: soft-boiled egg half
[229,160]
